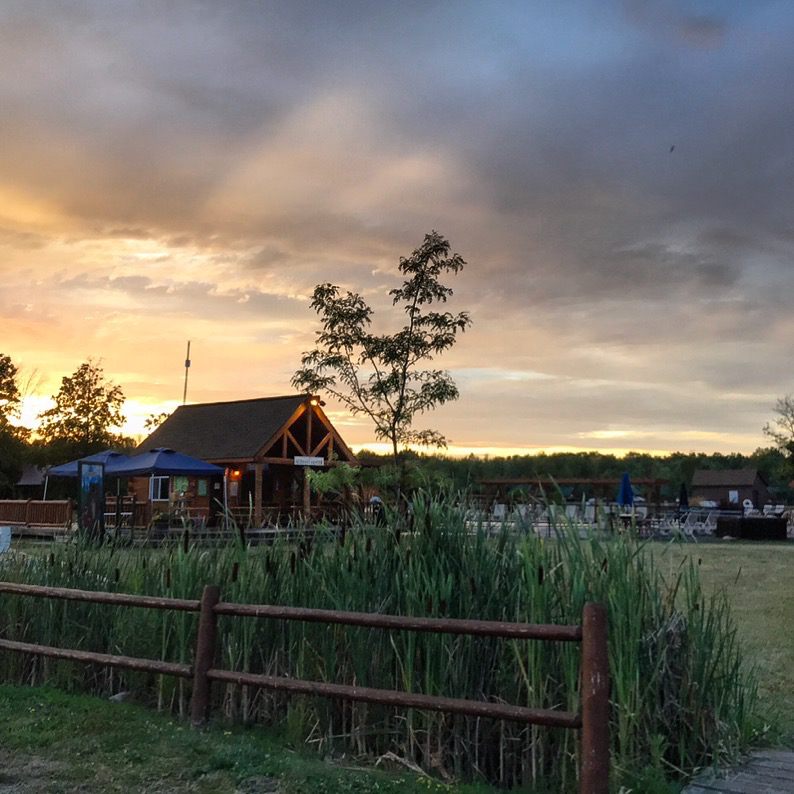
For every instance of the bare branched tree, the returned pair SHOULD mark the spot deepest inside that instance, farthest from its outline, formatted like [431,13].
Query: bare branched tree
[781,430]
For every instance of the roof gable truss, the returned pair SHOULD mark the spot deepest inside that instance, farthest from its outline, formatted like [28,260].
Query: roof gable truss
[307,432]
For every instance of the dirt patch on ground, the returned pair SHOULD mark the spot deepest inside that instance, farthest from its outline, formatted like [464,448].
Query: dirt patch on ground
[21,773]
[27,774]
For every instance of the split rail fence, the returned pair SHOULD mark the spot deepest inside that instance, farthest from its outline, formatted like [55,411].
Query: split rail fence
[592,718]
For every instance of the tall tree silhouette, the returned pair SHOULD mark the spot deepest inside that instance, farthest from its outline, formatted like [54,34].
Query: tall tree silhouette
[87,414]
[381,375]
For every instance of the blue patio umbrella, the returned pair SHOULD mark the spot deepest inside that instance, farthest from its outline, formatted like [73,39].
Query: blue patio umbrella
[625,492]
[683,498]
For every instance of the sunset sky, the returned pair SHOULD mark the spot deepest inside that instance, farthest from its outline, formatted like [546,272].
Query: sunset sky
[619,177]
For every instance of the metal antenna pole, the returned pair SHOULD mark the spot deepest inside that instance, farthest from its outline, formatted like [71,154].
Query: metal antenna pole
[187,369]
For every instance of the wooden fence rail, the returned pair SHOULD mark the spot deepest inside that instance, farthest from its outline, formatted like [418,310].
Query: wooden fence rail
[592,718]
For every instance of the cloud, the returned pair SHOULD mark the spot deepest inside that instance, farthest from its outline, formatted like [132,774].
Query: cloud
[617,177]
[702,31]
[16,238]
[674,19]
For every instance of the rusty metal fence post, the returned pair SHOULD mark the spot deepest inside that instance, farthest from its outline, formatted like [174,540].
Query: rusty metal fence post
[594,776]
[205,655]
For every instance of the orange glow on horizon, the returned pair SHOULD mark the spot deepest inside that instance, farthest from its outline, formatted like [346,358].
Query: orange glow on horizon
[137,411]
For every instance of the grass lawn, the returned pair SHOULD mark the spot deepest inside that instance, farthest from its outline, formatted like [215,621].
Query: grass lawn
[757,578]
[55,742]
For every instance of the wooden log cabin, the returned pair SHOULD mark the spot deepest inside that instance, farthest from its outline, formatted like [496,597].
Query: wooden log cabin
[728,488]
[265,445]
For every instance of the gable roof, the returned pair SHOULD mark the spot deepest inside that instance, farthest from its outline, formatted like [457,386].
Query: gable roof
[32,475]
[224,430]
[715,478]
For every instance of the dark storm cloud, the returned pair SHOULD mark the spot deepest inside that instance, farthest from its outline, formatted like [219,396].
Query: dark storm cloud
[686,21]
[268,257]
[15,238]
[595,179]
[703,31]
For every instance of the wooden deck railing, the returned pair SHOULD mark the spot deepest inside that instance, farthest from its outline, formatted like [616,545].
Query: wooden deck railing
[592,718]
[29,512]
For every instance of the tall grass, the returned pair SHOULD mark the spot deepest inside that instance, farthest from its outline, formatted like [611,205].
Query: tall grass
[681,696]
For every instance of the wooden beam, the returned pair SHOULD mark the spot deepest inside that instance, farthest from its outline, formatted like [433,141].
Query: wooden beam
[325,438]
[344,449]
[307,496]
[296,414]
[294,440]
[258,493]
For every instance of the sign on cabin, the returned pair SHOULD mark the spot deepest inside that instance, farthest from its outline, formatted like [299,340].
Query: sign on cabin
[308,460]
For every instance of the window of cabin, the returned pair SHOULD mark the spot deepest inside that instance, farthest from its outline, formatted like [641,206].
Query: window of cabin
[158,489]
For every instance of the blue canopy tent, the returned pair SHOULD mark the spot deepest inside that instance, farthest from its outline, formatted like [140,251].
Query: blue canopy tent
[110,458]
[164,462]
[625,492]
[161,462]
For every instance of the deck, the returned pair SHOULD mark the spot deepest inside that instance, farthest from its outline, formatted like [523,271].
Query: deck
[765,772]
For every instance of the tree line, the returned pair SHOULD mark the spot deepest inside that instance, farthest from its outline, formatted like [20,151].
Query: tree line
[675,468]
[86,417]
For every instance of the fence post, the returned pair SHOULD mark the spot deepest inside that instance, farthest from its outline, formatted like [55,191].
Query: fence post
[594,777]
[205,655]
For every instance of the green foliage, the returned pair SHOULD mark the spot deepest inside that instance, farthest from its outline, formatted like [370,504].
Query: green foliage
[352,486]
[86,416]
[337,481]
[681,695]
[12,447]
[677,467]
[781,429]
[12,452]
[379,375]
[10,396]
[153,421]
